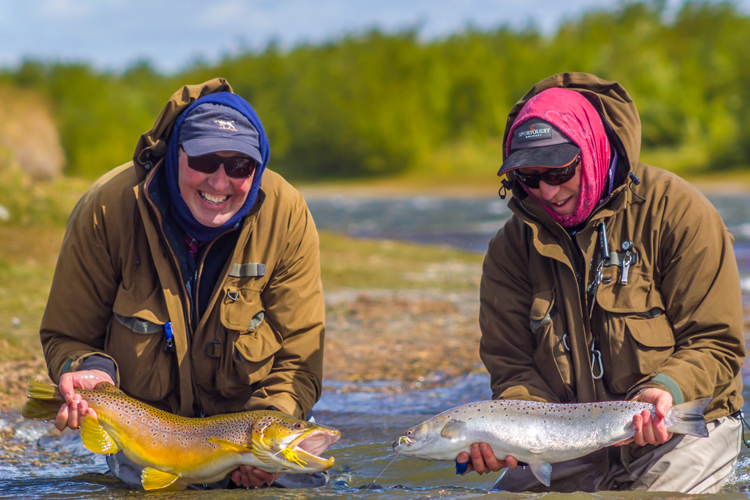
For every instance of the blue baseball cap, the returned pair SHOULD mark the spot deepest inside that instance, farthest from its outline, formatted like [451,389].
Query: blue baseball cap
[210,128]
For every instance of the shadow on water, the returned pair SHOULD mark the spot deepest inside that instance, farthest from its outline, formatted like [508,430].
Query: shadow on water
[36,462]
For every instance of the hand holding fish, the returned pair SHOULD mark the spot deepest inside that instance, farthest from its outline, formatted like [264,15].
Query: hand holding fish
[249,476]
[483,460]
[650,430]
[75,407]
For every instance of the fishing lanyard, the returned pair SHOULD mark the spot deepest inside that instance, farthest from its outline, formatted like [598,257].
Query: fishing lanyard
[596,355]
[744,426]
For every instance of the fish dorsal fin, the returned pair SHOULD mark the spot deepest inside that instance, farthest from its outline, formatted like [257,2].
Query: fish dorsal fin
[107,387]
[153,479]
[95,438]
[453,429]
[230,446]
[541,470]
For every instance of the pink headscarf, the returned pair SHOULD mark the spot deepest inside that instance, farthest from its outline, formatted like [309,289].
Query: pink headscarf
[575,117]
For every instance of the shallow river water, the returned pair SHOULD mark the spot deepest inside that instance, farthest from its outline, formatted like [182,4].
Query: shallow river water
[36,463]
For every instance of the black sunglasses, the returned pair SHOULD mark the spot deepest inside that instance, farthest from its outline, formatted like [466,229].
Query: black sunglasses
[237,167]
[553,177]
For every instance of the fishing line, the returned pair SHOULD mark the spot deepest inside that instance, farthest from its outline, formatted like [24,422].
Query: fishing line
[381,473]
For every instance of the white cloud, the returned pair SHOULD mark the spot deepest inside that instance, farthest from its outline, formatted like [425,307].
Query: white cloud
[62,10]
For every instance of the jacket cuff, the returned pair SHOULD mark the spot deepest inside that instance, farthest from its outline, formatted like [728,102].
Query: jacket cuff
[276,402]
[101,363]
[661,381]
[76,361]
[521,393]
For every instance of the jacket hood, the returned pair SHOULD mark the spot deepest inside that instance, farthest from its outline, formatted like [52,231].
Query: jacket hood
[152,145]
[609,98]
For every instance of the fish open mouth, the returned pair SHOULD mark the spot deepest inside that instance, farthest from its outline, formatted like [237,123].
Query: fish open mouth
[308,446]
[403,441]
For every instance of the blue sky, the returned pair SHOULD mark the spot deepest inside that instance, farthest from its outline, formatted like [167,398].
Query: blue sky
[112,34]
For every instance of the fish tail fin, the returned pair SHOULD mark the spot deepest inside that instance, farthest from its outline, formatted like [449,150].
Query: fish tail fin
[687,418]
[44,401]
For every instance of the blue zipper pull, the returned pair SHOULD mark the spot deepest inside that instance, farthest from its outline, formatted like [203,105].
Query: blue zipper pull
[170,336]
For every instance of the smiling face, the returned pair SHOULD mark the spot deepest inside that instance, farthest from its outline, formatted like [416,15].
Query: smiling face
[562,199]
[212,198]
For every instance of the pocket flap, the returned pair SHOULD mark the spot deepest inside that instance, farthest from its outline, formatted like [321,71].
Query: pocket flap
[541,304]
[141,308]
[651,332]
[139,325]
[259,344]
[637,296]
[241,309]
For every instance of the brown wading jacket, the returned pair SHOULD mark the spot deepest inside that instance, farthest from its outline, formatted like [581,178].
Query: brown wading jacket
[260,341]
[676,324]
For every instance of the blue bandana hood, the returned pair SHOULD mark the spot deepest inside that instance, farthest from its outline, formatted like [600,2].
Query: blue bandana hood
[179,209]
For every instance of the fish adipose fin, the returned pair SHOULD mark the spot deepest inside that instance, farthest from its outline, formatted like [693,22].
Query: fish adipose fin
[230,446]
[541,470]
[44,401]
[95,438]
[153,479]
[453,429]
[687,418]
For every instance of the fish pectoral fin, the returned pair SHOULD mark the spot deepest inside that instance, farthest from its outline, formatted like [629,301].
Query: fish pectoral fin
[95,438]
[230,446]
[541,470]
[453,429]
[154,479]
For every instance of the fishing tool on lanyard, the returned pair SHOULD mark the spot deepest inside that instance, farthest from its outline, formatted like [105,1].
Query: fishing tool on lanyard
[741,414]
[596,355]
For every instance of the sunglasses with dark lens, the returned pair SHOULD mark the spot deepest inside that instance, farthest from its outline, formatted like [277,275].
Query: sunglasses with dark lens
[238,167]
[553,177]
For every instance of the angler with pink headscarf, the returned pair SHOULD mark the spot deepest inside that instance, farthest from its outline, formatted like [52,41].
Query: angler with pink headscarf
[613,280]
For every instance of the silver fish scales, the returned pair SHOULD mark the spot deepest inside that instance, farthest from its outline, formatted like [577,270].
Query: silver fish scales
[539,433]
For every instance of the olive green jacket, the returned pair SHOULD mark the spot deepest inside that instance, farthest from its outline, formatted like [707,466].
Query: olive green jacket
[117,282]
[676,324]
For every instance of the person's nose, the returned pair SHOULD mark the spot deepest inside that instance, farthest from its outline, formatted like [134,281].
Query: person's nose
[548,192]
[219,180]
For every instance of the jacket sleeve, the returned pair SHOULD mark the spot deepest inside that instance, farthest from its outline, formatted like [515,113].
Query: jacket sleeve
[295,308]
[84,286]
[507,345]
[699,281]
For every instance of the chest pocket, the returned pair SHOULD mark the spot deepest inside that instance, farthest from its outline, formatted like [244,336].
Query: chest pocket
[636,336]
[551,355]
[135,339]
[251,341]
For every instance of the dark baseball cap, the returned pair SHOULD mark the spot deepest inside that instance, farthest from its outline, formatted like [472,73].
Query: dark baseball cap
[210,128]
[537,143]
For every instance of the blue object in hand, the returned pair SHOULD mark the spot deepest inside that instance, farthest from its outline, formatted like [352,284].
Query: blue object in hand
[461,467]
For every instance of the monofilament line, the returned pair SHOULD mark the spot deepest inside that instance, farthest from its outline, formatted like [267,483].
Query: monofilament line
[381,473]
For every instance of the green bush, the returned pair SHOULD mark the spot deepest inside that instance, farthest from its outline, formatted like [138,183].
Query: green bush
[378,104]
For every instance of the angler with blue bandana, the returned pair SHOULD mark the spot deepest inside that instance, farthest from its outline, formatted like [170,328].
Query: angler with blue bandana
[190,278]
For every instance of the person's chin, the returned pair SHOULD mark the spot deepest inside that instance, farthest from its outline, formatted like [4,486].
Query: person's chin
[565,209]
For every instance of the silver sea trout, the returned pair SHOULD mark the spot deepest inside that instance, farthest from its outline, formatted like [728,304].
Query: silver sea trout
[176,451]
[540,434]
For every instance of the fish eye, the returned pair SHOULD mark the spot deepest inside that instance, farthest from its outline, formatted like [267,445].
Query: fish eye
[409,432]
[299,425]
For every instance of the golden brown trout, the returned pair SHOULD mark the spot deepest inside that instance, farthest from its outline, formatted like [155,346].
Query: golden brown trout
[176,451]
